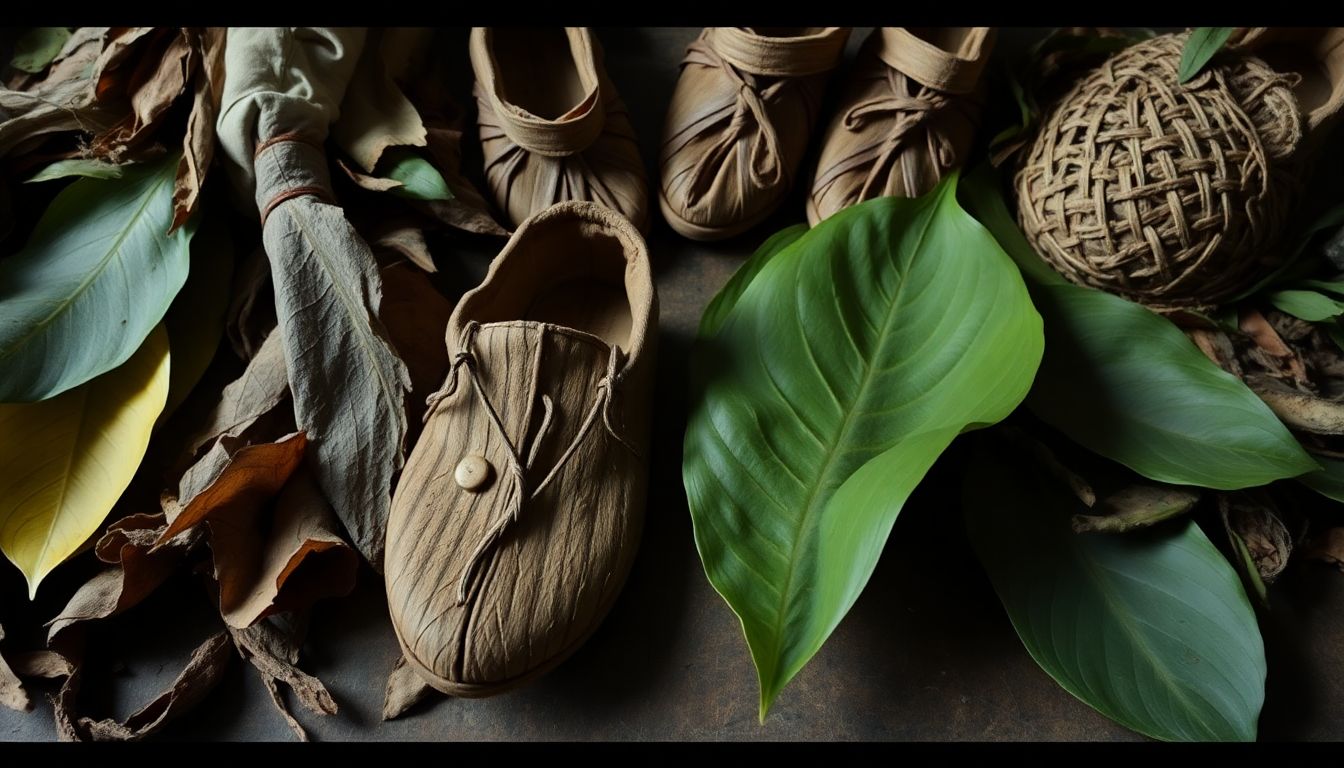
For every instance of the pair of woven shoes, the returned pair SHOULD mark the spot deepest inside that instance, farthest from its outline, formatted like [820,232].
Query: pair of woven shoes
[744,109]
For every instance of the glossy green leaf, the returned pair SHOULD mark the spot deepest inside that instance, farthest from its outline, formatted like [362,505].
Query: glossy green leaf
[980,193]
[1328,480]
[843,370]
[94,279]
[86,167]
[1151,628]
[38,47]
[1202,45]
[1126,383]
[727,297]
[1311,306]
[420,180]
[1129,385]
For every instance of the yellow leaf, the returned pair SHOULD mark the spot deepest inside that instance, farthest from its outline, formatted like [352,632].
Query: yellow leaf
[65,461]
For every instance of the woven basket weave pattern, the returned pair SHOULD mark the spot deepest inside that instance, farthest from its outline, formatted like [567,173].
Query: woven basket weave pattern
[1165,193]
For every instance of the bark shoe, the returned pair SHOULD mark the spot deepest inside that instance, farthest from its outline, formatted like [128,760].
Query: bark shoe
[519,512]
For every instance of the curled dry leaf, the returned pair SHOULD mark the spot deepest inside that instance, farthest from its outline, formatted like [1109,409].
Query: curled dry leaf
[135,573]
[1298,409]
[1274,355]
[403,238]
[405,689]
[230,478]
[251,313]
[467,210]
[198,147]
[1256,524]
[300,560]
[12,694]
[198,678]
[375,114]
[1328,547]
[1217,347]
[45,664]
[1137,506]
[261,388]
[275,654]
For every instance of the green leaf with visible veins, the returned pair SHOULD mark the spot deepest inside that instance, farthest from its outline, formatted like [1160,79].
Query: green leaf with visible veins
[96,276]
[1151,628]
[841,372]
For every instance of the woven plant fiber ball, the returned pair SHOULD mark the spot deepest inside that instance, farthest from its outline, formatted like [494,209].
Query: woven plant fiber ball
[1166,193]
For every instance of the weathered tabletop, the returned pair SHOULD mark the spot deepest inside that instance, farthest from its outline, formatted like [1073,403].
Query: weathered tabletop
[927,652]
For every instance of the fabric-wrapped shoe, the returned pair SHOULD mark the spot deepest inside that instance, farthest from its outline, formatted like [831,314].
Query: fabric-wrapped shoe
[907,117]
[739,123]
[552,127]
[519,512]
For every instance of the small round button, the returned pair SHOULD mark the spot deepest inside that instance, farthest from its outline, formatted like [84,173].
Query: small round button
[472,473]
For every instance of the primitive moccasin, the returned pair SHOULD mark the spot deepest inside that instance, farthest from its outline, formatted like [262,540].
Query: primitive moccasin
[907,116]
[517,517]
[552,127]
[739,123]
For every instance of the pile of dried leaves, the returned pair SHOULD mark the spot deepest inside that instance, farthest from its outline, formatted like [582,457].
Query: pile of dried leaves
[257,465]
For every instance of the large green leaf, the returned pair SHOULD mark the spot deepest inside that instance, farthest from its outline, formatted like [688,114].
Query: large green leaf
[94,279]
[1151,628]
[843,370]
[1328,480]
[1128,384]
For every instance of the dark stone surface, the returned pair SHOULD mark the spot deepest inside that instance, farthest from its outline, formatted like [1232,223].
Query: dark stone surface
[927,652]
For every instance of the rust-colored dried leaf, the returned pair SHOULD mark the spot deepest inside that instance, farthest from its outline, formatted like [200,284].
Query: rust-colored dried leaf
[300,560]
[1328,547]
[198,146]
[1255,325]
[405,689]
[203,671]
[246,478]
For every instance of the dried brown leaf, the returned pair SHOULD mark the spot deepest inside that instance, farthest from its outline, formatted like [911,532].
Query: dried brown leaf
[135,573]
[1299,410]
[262,387]
[1257,523]
[161,74]
[1278,356]
[405,689]
[233,478]
[404,238]
[12,694]
[198,147]
[366,181]
[1216,346]
[205,668]
[1327,547]
[467,210]
[251,314]
[375,114]
[275,654]
[1137,506]
[44,664]
[300,560]
[416,317]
